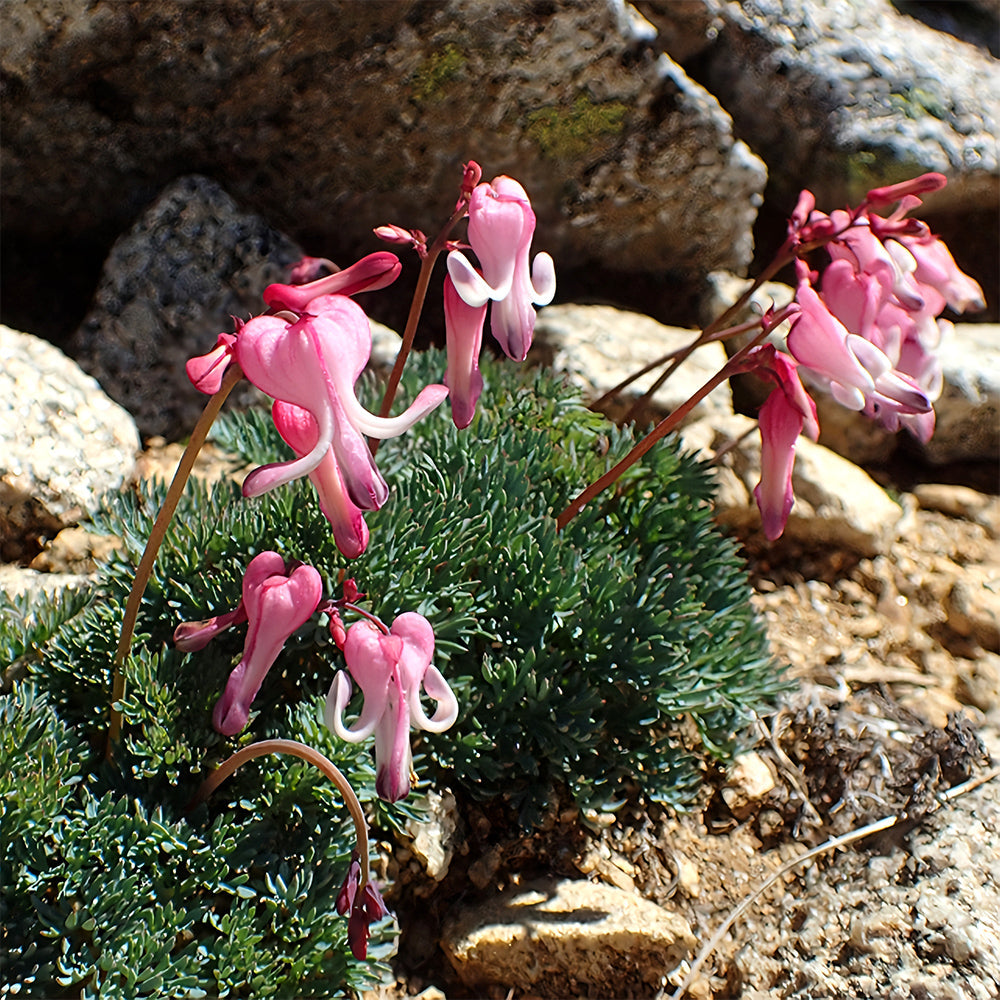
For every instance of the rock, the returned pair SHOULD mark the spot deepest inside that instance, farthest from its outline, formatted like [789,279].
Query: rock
[836,503]
[973,606]
[336,117]
[599,346]
[560,938]
[968,411]
[749,781]
[854,94]
[169,287]
[433,834]
[723,288]
[961,501]
[14,581]
[63,444]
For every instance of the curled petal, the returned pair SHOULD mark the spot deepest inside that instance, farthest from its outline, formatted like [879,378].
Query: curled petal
[445,714]
[543,279]
[469,283]
[336,701]
[206,371]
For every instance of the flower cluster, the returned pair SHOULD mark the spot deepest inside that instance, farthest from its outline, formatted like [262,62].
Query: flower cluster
[868,335]
[307,352]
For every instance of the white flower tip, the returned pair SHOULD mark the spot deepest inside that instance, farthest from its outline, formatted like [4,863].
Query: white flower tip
[336,702]
[471,286]
[447,704]
[543,279]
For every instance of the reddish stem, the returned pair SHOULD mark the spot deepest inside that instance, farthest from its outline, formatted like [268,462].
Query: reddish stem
[661,430]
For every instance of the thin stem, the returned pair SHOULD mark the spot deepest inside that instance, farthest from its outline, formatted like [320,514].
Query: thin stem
[416,307]
[850,837]
[310,756]
[670,355]
[159,530]
[782,258]
[374,619]
[661,430]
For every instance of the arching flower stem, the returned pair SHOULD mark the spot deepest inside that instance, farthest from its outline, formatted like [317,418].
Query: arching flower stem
[156,536]
[310,756]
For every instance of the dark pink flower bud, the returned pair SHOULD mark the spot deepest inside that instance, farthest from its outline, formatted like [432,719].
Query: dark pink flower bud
[207,370]
[309,269]
[894,192]
[374,271]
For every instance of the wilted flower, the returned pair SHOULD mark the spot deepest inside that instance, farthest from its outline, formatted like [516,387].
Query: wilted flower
[365,905]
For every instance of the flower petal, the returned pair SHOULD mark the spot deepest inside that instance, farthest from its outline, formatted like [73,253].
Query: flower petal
[464,333]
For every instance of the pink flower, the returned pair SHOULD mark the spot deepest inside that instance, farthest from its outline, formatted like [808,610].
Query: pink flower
[501,224]
[299,431]
[390,667]
[207,370]
[787,412]
[936,272]
[312,363]
[464,336]
[278,598]
[374,271]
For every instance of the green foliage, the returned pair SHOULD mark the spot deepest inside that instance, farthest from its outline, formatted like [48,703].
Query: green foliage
[111,886]
[577,657]
[608,659]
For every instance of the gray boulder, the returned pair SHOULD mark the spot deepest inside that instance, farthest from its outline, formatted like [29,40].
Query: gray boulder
[845,95]
[171,284]
[329,118]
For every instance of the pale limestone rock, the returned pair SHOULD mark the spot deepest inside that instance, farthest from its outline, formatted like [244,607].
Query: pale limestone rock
[599,346]
[560,939]
[63,443]
[973,606]
[968,411]
[433,834]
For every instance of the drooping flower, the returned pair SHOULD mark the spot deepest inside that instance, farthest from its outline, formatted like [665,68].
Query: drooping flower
[786,413]
[501,224]
[390,667]
[855,369]
[364,904]
[299,431]
[312,363]
[278,598]
[463,326]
